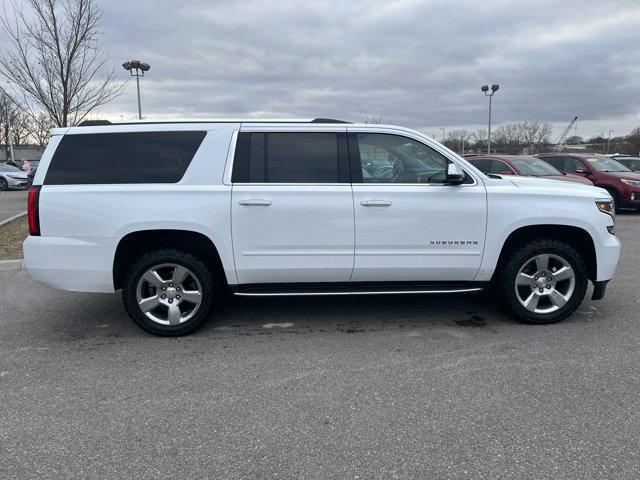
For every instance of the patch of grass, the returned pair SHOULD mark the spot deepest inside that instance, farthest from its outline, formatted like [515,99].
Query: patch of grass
[12,235]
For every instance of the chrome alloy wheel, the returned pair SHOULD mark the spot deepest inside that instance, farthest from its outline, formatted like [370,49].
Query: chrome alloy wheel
[545,283]
[169,294]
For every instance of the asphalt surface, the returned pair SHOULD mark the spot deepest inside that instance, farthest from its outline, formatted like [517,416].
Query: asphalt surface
[364,387]
[12,202]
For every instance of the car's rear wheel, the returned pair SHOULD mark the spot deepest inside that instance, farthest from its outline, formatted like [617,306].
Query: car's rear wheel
[543,281]
[169,292]
[3,185]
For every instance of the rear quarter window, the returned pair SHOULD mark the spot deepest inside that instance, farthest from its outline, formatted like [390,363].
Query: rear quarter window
[136,157]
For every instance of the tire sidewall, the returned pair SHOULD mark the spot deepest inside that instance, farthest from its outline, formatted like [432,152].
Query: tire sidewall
[187,260]
[517,262]
[4,185]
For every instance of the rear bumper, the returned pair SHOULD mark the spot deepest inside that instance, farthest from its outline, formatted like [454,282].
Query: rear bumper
[74,264]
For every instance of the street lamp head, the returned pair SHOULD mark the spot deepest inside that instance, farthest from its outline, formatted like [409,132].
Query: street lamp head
[145,67]
[484,88]
[126,65]
[495,87]
[135,63]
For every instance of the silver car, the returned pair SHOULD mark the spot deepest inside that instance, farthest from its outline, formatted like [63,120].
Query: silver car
[12,177]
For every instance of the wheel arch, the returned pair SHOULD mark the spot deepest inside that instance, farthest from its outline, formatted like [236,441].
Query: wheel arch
[138,242]
[577,237]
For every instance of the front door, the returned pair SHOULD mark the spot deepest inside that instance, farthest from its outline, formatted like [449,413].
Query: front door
[410,226]
[292,208]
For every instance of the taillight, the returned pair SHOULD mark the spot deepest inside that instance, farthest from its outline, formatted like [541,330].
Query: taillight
[33,199]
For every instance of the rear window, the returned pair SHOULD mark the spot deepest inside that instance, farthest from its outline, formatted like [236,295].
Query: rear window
[290,157]
[137,157]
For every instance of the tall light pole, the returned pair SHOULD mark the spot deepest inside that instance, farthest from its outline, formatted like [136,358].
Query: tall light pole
[609,140]
[137,69]
[442,134]
[485,89]
[8,112]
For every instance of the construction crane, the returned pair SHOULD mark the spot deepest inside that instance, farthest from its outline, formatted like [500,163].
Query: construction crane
[560,140]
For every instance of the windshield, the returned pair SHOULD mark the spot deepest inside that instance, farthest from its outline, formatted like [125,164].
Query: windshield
[606,164]
[8,168]
[534,166]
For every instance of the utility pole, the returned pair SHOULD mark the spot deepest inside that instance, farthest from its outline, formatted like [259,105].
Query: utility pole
[609,140]
[485,89]
[137,69]
[442,134]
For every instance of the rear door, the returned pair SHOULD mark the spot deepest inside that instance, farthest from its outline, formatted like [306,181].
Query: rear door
[410,226]
[292,205]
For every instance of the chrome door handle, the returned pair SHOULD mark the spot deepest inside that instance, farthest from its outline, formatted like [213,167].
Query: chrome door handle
[375,203]
[255,202]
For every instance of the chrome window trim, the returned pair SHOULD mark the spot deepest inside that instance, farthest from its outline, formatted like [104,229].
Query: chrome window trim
[337,129]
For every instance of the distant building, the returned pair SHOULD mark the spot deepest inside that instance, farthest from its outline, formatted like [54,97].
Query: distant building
[31,153]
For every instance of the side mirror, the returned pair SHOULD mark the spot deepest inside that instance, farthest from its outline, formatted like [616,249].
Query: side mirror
[455,175]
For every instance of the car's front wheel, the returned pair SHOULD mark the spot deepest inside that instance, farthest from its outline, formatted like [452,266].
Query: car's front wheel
[543,281]
[169,292]
[3,185]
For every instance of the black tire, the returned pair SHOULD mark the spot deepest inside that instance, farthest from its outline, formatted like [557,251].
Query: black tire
[208,283]
[506,280]
[4,186]
[616,199]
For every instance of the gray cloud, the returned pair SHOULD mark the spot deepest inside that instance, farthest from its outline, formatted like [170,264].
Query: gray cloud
[423,62]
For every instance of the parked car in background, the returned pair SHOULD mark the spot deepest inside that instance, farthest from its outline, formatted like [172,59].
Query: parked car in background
[12,177]
[524,165]
[619,180]
[632,162]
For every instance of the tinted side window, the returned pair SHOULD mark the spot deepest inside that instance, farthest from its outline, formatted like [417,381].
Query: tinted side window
[140,157]
[501,168]
[291,157]
[389,158]
[302,158]
[571,164]
[555,162]
[482,164]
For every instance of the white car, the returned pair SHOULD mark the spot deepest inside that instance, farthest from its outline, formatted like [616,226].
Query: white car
[175,214]
[12,177]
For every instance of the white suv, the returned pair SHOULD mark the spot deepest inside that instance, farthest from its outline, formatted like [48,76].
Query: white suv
[176,214]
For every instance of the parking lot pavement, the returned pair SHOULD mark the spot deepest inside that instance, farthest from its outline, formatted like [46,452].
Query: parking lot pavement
[363,387]
[12,202]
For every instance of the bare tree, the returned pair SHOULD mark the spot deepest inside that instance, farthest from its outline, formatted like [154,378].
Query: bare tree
[634,141]
[376,119]
[458,140]
[535,135]
[54,57]
[41,126]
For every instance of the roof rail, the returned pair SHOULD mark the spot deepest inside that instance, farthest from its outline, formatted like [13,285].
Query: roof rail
[327,120]
[93,123]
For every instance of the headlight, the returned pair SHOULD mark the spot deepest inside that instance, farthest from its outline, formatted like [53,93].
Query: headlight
[17,177]
[605,205]
[633,183]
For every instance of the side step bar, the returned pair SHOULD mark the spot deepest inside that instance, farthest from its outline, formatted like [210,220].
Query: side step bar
[361,288]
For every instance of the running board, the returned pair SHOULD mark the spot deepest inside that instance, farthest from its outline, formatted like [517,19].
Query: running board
[362,288]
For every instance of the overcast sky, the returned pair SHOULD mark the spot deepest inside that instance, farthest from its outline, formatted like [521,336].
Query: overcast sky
[422,62]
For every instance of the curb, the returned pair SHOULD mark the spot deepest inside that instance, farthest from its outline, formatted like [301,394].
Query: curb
[11,265]
[11,219]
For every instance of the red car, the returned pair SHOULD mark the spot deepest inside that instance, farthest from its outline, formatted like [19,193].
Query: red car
[620,181]
[525,165]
